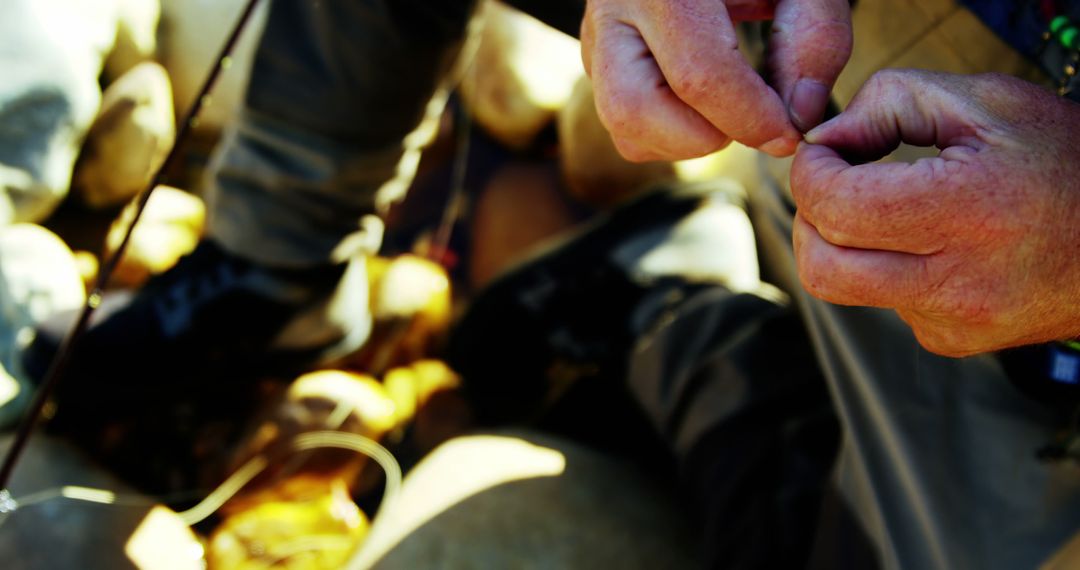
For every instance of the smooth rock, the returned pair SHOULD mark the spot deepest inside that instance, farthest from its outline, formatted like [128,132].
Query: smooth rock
[88,265]
[410,301]
[136,36]
[132,133]
[522,73]
[169,228]
[335,399]
[51,55]
[316,401]
[411,387]
[315,533]
[38,276]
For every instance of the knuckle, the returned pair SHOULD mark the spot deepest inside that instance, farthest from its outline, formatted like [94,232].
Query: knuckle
[893,88]
[620,112]
[814,280]
[697,145]
[633,152]
[635,120]
[807,181]
[715,143]
[885,79]
[833,231]
[888,81]
[692,83]
[803,179]
[831,45]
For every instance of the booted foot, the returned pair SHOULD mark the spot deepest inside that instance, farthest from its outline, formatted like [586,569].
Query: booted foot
[210,317]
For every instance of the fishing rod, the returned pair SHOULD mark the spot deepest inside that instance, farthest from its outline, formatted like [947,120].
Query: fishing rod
[59,363]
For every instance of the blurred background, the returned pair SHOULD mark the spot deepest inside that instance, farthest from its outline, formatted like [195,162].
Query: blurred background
[89,104]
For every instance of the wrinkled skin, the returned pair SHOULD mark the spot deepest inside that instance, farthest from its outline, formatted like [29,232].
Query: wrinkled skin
[976,248]
[671,84]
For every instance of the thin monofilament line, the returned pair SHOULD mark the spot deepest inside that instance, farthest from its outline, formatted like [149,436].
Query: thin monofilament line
[60,361]
[440,244]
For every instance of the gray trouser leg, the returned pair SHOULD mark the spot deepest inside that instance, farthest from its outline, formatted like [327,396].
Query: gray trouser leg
[938,459]
[331,128]
[730,383]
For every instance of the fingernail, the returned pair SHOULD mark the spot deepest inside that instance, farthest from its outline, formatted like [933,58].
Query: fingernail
[780,146]
[813,136]
[808,101]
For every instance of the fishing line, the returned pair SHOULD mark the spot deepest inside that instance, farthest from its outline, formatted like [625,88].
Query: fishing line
[60,361]
[234,483]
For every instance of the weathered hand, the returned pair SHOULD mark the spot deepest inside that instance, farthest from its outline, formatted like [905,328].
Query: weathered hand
[671,83]
[977,248]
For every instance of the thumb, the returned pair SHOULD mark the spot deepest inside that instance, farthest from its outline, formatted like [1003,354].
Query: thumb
[811,42]
[914,107]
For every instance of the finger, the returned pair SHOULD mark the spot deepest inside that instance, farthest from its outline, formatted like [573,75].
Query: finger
[811,42]
[895,206]
[586,39]
[646,120]
[630,149]
[915,107]
[696,48]
[849,276]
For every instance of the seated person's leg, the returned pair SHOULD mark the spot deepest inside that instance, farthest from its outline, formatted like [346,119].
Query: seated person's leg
[520,498]
[643,335]
[330,134]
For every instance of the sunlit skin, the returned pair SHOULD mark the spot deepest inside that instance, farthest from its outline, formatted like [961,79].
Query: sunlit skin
[976,248]
[671,84]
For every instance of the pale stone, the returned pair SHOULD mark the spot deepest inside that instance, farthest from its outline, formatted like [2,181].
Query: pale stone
[136,36]
[410,285]
[410,300]
[51,55]
[522,73]
[38,277]
[354,402]
[192,34]
[169,228]
[163,542]
[317,401]
[88,266]
[129,138]
[315,533]
[410,387]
